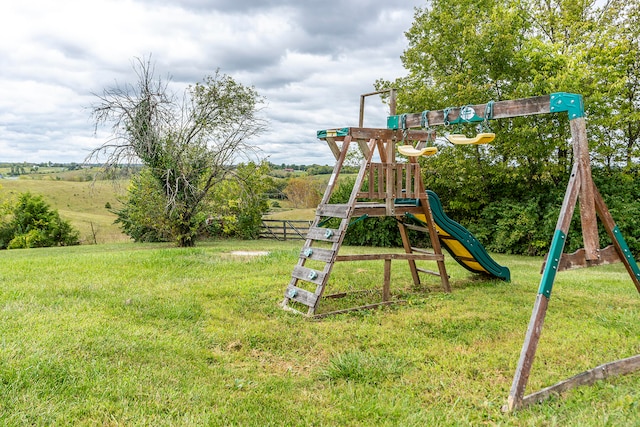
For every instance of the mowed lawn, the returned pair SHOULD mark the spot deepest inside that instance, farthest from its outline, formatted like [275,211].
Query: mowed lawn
[153,335]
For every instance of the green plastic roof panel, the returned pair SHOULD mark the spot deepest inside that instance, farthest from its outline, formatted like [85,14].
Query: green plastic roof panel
[332,133]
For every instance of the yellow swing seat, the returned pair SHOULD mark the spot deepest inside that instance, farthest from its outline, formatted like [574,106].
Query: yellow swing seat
[481,138]
[410,151]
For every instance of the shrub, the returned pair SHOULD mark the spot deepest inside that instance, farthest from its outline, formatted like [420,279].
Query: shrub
[31,223]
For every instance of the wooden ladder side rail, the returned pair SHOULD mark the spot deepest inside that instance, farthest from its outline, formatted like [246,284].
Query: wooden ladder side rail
[341,153]
[345,222]
[323,277]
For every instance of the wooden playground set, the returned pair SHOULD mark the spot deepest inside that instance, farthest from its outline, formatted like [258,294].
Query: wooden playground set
[393,187]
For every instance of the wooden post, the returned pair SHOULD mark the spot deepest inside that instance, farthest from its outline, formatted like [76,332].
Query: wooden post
[587,204]
[406,244]
[386,287]
[618,241]
[392,102]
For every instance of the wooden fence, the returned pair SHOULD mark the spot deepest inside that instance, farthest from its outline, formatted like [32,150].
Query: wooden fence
[283,229]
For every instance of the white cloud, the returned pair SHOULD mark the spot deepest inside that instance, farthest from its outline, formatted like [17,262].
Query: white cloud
[311,60]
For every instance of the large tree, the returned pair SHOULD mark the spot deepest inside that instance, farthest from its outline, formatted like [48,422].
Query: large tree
[473,51]
[187,142]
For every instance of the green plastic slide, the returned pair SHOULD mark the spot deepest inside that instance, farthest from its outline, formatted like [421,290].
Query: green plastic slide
[461,244]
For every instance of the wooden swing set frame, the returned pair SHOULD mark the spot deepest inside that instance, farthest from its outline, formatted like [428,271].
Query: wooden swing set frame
[580,189]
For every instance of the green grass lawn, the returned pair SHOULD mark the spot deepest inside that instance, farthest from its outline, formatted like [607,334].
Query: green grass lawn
[153,335]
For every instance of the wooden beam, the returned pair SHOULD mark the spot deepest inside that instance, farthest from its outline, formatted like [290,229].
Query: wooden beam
[366,134]
[406,244]
[501,110]
[619,367]
[362,307]
[616,237]
[578,259]
[386,284]
[333,146]
[587,204]
[400,256]
[528,353]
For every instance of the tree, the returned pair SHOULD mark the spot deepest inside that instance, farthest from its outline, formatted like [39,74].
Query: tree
[142,216]
[473,51]
[29,222]
[303,192]
[236,206]
[188,143]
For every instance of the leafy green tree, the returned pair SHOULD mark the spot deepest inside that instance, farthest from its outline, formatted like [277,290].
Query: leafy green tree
[143,216]
[233,208]
[614,106]
[30,222]
[188,143]
[470,52]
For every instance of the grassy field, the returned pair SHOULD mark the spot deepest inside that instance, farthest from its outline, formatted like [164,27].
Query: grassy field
[152,335]
[80,202]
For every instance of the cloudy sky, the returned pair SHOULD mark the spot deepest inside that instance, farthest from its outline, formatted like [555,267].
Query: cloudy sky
[311,60]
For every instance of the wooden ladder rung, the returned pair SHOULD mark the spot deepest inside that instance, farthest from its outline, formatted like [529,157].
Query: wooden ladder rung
[417,228]
[433,273]
[308,274]
[317,254]
[302,296]
[335,211]
[421,251]
[324,234]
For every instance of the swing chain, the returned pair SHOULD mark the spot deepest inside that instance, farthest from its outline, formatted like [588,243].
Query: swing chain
[403,125]
[424,120]
[446,120]
[488,115]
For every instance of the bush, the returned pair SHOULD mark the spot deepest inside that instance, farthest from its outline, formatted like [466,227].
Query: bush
[142,216]
[31,223]
[233,208]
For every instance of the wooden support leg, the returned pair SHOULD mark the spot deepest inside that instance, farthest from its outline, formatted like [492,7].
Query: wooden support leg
[534,330]
[528,352]
[435,243]
[433,234]
[617,239]
[406,244]
[587,206]
[386,287]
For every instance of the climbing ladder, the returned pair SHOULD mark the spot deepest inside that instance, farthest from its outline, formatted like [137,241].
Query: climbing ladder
[376,192]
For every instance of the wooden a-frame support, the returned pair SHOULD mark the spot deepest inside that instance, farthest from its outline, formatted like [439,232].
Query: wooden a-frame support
[580,189]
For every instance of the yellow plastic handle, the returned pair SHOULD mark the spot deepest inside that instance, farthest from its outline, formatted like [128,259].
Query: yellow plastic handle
[481,138]
[410,151]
